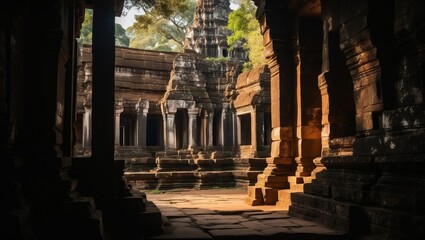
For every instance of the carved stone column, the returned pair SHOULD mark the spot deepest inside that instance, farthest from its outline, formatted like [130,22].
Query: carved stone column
[204,130]
[87,133]
[210,129]
[192,126]
[168,114]
[224,133]
[308,95]
[234,120]
[278,34]
[258,124]
[103,100]
[118,110]
[142,108]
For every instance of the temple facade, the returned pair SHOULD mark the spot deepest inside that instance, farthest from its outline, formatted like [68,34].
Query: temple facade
[188,119]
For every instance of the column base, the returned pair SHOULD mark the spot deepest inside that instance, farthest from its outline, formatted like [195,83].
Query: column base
[261,196]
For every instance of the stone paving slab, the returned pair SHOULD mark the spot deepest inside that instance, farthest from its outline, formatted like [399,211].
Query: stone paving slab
[234,233]
[280,223]
[269,216]
[224,215]
[256,225]
[184,233]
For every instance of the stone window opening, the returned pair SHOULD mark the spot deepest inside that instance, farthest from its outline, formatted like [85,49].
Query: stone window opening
[181,129]
[154,130]
[225,53]
[127,129]
[217,128]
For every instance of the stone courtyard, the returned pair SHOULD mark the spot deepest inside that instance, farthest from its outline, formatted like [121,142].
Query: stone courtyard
[222,214]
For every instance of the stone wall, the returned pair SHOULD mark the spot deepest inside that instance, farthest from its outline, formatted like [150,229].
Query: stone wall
[369,159]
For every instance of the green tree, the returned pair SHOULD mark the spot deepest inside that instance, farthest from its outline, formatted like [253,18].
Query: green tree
[163,24]
[121,39]
[86,28]
[246,30]
[86,33]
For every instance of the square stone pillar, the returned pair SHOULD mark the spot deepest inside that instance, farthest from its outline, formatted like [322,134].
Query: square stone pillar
[192,126]
[103,100]
[142,108]
[118,110]
[235,128]
[210,129]
[279,51]
[226,133]
[169,129]
[87,129]
[259,128]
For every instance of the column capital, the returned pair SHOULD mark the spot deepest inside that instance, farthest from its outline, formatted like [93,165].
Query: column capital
[193,111]
[119,108]
[87,105]
[167,108]
[142,106]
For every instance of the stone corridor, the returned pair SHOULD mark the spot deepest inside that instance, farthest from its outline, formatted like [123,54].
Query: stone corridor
[222,214]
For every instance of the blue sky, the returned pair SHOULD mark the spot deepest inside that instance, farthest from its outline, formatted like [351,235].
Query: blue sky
[127,21]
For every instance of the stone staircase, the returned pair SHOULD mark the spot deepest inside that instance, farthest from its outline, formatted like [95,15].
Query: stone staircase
[130,215]
[194,170]
[296,184]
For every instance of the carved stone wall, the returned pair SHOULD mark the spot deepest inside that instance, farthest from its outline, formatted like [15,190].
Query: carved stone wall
[369,175]
[208,33]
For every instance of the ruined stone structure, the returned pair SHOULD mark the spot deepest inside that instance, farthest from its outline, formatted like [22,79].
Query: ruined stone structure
[347,110]
[208,33]
[183,120]
[347,115]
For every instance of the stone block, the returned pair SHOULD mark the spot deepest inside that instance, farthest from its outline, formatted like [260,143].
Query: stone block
[255,196]
[310,147]
[270,196]
[282,148]
[131,204]
[310,132]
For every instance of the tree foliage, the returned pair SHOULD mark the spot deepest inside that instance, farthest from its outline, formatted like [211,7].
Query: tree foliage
[246,30]
[121,38]
[163,24]
[86,28]
[86,33]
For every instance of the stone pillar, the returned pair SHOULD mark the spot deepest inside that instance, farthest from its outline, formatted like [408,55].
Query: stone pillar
[103,100]
[87,123]
[308,95]
[235,126]
[204,132]
[225,132]
[142,108]
[169,128]
[192,113]
[257,123]
[278,33]
[184,131]
[210,129]
[118,110]
[253,127]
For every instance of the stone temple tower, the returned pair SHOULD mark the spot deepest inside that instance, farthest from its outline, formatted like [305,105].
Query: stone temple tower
[208,33]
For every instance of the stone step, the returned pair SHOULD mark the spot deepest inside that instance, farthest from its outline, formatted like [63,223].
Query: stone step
[284,197]
[82,207]
[131,204]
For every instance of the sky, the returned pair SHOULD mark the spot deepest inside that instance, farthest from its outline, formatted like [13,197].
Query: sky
[128,20]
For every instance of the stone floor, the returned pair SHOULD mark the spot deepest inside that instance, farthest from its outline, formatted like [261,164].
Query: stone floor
[222,214]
